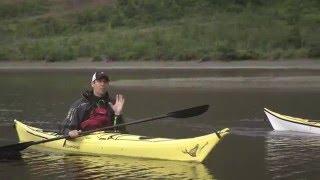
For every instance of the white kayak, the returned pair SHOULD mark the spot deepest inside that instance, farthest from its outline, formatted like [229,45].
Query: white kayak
[281,122]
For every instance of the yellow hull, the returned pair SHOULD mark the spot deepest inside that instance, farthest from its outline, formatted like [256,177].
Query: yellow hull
[106,143]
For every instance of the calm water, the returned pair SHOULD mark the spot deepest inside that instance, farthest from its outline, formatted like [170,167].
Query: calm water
[252,151]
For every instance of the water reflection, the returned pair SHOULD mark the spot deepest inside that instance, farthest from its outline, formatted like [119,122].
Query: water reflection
[61,166]
[292,155]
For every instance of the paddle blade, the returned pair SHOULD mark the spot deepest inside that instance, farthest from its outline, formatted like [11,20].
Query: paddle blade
[15,147]
[190,112]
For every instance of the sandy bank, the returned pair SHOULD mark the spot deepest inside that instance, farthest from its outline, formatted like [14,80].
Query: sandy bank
[293,74]
[85,65]
[310,83]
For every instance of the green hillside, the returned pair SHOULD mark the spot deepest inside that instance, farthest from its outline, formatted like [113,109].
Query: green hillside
[60,30]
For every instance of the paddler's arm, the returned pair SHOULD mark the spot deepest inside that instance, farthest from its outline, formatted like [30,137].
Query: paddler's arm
[117,108]
[71,122]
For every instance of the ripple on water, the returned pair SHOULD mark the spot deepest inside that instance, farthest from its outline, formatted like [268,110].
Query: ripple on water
[292,154]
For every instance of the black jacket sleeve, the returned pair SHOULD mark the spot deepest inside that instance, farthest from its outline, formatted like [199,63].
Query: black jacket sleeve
[74,117]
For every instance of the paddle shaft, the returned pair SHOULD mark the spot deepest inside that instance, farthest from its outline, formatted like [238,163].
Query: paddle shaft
[84,133]
[184,113]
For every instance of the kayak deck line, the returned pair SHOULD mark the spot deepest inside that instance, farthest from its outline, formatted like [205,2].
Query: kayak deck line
[193,149]
[36,135]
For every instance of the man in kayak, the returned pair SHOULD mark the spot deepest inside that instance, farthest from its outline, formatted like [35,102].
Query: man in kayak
[95,109]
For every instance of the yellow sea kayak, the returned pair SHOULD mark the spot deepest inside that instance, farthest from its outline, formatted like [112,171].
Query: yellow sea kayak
[106,143]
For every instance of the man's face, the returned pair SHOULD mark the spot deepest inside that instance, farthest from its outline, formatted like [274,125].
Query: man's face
[100,87]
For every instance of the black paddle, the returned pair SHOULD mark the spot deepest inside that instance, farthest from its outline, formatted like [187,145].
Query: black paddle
[184,113]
